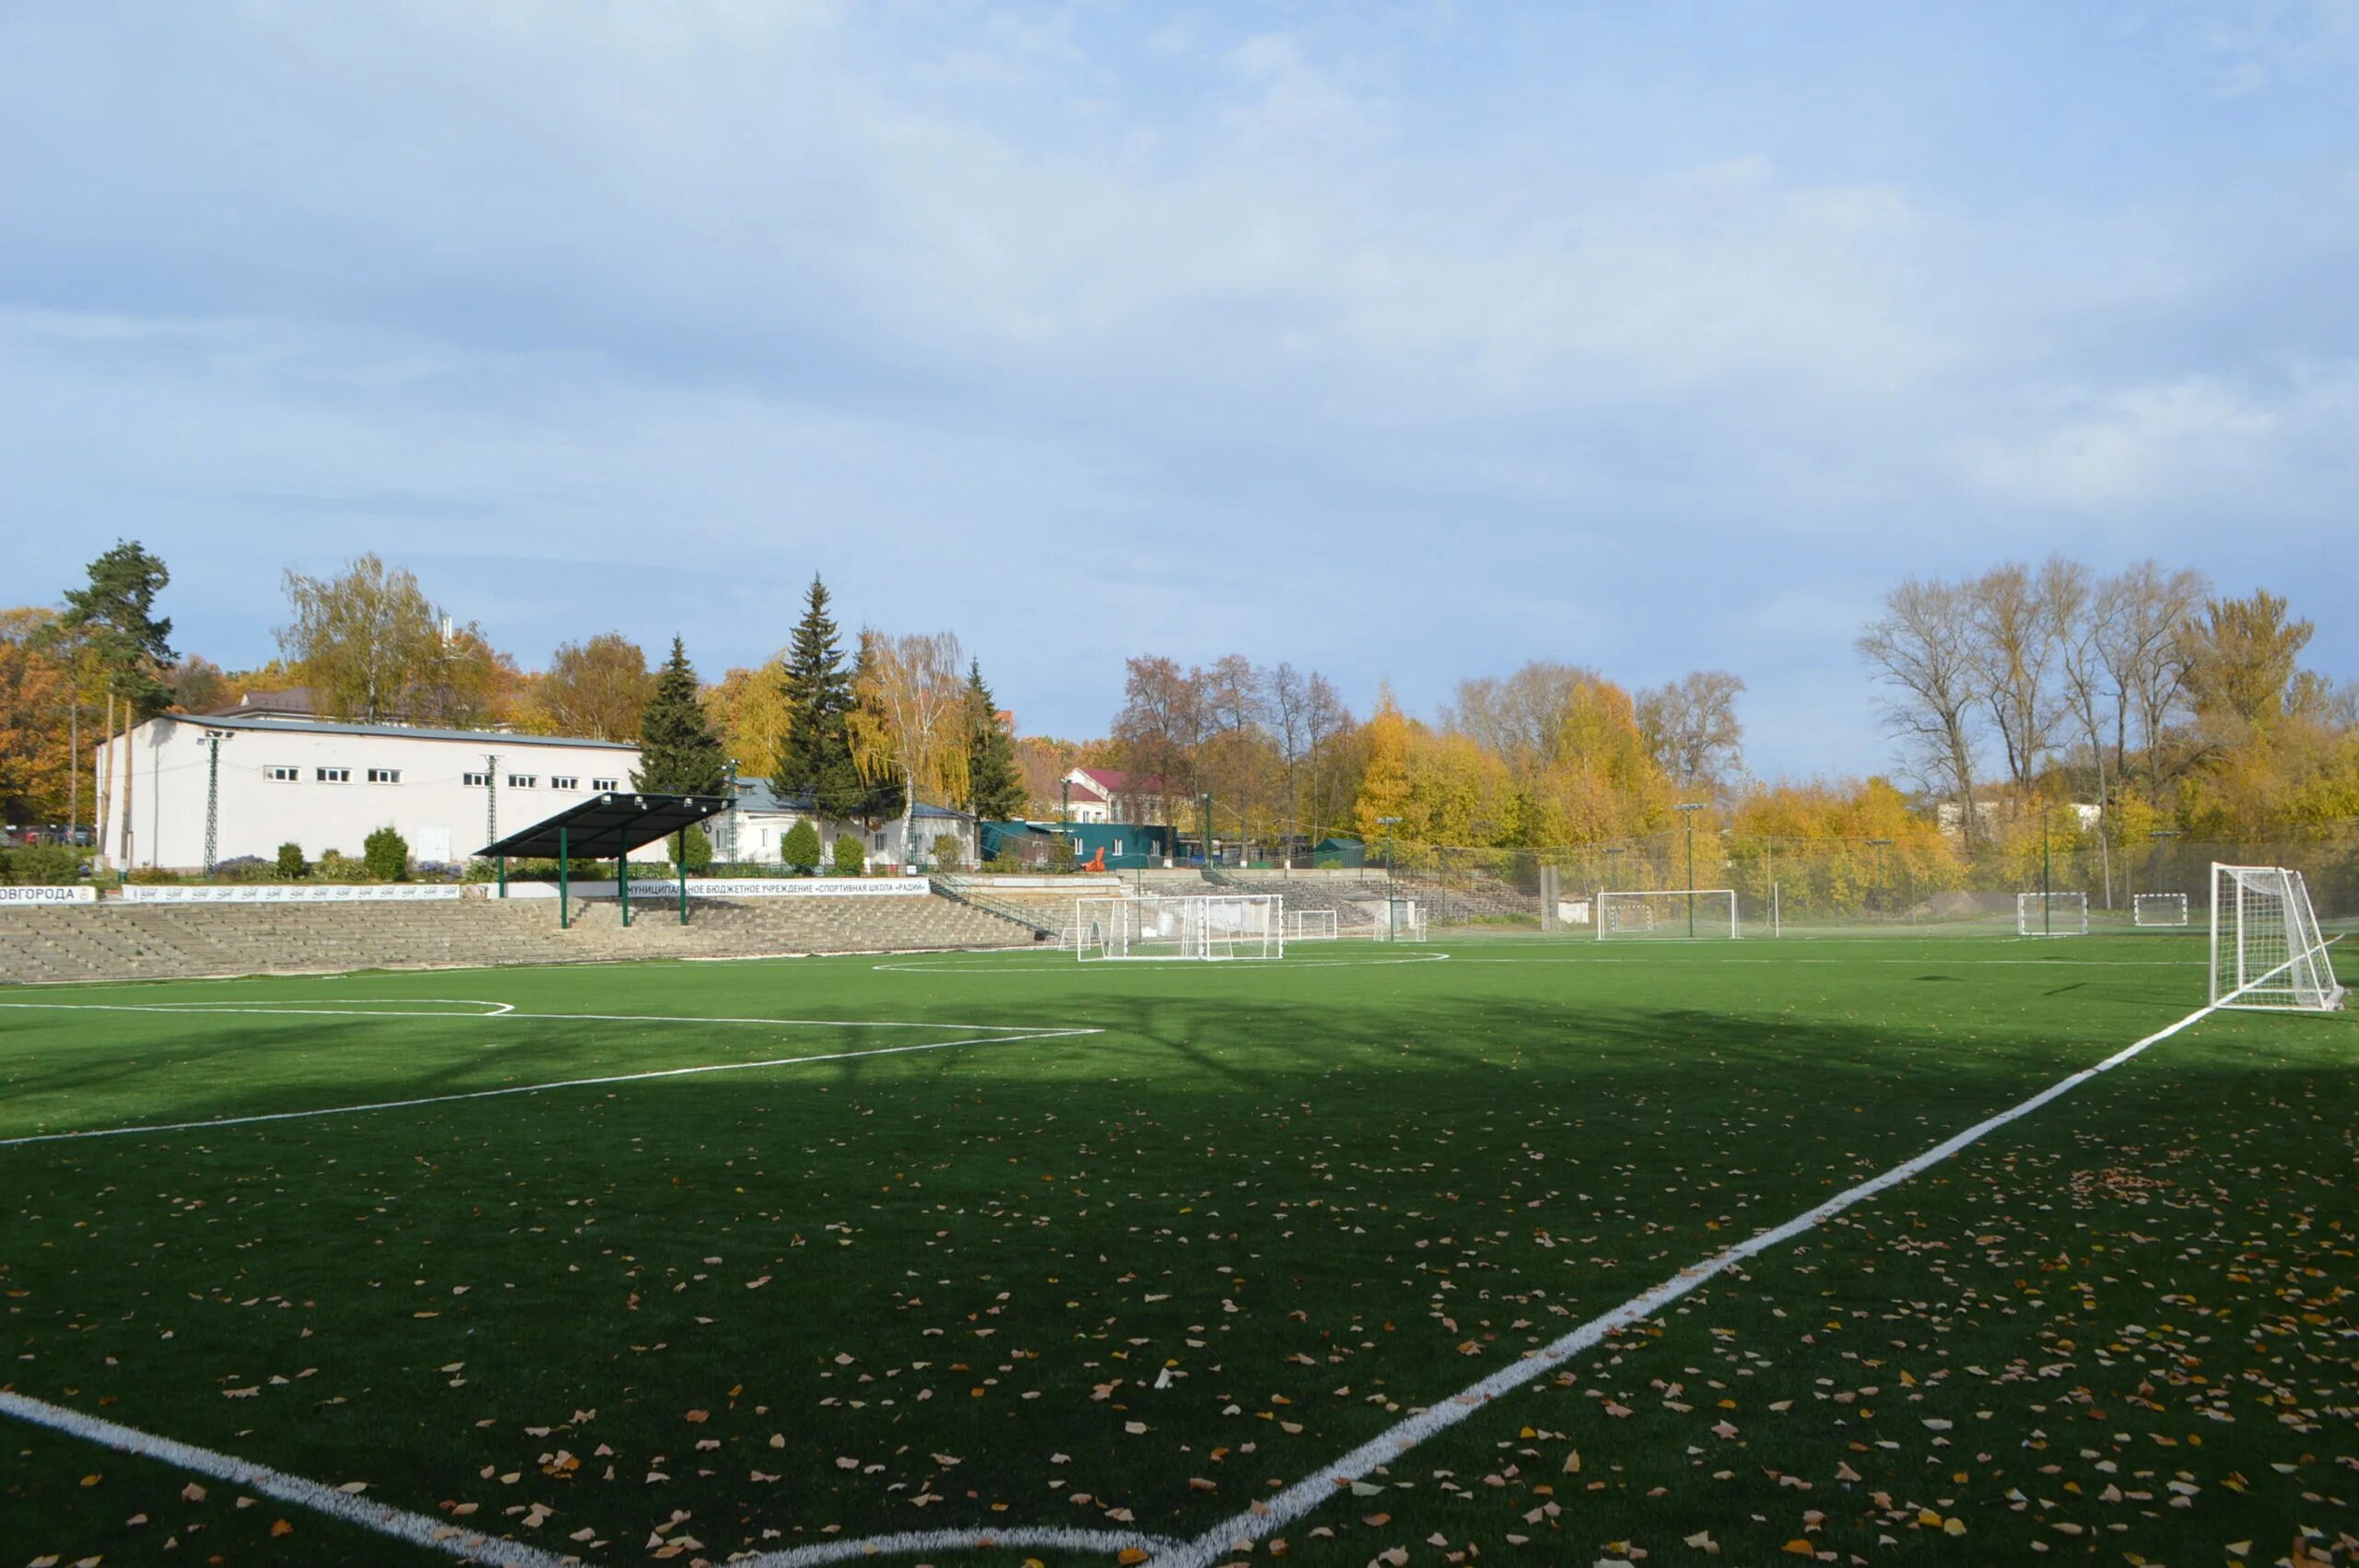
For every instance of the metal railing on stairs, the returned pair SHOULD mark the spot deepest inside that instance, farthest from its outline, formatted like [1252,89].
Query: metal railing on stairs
[958,891]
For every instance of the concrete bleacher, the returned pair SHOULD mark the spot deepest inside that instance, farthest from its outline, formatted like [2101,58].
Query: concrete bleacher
[118,941]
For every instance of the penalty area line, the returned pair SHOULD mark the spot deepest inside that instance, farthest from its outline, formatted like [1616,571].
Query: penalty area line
[382,1518]
[1276,1513]
[537,1088]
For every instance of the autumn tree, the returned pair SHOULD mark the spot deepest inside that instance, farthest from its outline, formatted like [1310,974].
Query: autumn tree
[2243,661]
[37,761]
[1692,729]
[359,640]
[910,717]
[597,689]
[678,753]
[1161,723]
[747,709]
[1923,652]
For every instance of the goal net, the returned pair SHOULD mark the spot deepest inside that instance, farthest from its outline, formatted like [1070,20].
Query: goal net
[2266,950]
[1194,926]
[2051,913]
[1676,913]
[1310,925]
[1400,919]
[2158,909]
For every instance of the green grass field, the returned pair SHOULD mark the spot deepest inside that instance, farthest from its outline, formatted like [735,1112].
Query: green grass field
[972,1271]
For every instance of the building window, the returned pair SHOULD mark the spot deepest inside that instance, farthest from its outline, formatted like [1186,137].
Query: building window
[565,781]
[287,775]
[523,782]
[604,784]
[332,775]
[384,776]
[879,844]
[475,781]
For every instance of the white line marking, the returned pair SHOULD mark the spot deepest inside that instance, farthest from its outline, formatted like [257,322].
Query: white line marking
[1050,1537]
[536,1088]
[418,1529]
[1300,1499]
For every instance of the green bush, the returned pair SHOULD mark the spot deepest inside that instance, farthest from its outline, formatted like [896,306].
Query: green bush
[153,876]
[335,865]
[850,858]
[386,854]
[800,848]
[700,851]
[1061,854]
[291,860]
[946,850]
[43,865]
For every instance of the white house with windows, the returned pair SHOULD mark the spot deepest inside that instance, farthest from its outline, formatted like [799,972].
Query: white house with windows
[326,785]
[1108,794]
[756,831]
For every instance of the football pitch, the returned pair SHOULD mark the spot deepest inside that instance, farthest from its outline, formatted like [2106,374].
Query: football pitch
[1508,1250]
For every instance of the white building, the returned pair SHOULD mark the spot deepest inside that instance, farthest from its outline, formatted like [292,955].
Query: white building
[1107,795]
[327,785]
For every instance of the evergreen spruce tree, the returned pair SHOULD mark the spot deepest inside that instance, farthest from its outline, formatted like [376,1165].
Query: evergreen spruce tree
[994,789]
[815,754]
[678,753]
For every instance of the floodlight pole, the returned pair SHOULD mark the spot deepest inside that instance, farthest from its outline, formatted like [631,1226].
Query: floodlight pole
[2046,888]
[1689,809]
[213,739]
[491,798]
[1391,904]
[729,821]
[1207,799]
[680,864]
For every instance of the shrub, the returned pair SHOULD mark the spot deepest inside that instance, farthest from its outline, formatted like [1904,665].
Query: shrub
[699,850]
[1061,854]
[152,876]
[386,854]
[335,865]
[291,860]
[43,865]
[946,850]
[851,859]
[800,848]
[246,868]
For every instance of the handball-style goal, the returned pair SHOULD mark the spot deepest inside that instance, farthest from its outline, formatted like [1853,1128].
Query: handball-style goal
[1679,912]
[2158,909]
[1200,927]
[2051,913]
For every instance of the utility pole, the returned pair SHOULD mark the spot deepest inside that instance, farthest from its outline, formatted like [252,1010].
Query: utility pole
[1689,809]
[1391,904]
[213,739]
[1207,799]
[491,798]
[2046,888]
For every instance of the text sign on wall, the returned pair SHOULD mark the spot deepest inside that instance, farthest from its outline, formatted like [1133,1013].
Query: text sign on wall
[49,895]
[291,893]
[762,887]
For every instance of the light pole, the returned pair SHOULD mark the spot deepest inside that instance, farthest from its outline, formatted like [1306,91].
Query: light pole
[2046,889]
[1207,799]
[213,739]
[1688,808]
[1391,906]
[728,819]
[491,799]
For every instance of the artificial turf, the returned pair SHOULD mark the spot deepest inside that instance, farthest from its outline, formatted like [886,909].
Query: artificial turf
[692,1317]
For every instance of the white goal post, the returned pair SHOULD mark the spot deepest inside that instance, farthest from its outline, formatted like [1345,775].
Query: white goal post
[2158,909]
[2266,950]
[1196,925]
[1400,919]
[2051,913]
[1679,912]
[1310,925]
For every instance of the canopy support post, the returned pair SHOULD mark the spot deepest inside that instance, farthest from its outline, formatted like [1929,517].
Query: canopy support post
[622,875]
[680,863]
[564,887]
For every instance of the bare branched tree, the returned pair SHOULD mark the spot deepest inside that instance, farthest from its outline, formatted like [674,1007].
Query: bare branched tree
[1922,649]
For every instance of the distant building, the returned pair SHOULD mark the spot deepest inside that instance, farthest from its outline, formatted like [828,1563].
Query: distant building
[756,830]
[1108,795]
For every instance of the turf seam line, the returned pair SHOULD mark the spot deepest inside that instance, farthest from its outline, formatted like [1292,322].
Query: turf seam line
[1401,1437]
[535,1088]
[383,1518]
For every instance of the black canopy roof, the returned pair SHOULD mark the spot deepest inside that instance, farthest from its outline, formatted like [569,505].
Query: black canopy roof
[605,826]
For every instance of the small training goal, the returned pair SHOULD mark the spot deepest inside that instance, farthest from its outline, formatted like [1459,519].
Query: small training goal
[1400,919]
[1310,925]
[2158,909]
[1680,913]
[2266,950]
[1207,926]
[2051,913]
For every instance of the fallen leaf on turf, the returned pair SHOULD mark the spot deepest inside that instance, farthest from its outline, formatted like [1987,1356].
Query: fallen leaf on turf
[192,1492]
[281,1527]
[1799,1548]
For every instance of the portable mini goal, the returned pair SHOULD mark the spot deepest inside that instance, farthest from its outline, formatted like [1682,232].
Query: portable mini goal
[1310,925]
[1205,926]
[1400,919]
[2051,913]
[2158,909]
[1679,912]
[2266,950]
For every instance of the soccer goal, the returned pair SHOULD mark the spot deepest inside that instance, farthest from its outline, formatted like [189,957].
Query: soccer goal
[1400,919]
[2051,913]
[2266,950]
[1310,925]
[2158,909]
[1205,926]
[1678,913]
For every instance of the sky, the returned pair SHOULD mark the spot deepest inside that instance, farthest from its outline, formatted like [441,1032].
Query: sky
[1407,343]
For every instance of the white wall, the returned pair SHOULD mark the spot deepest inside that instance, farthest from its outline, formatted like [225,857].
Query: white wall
[442,817]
